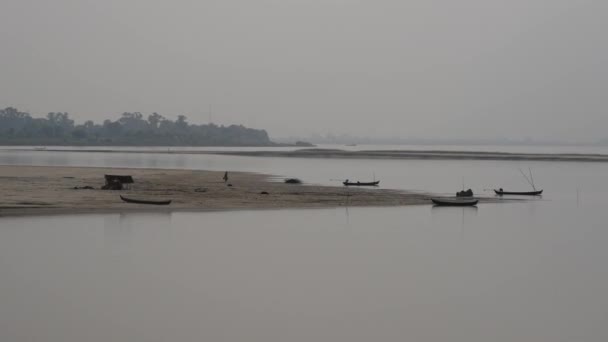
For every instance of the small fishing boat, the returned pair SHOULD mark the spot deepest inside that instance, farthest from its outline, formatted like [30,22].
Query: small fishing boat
[139,201]
[454,201]
[521,193]
[347,183]
[530,180]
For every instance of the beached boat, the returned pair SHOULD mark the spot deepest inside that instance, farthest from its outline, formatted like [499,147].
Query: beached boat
[347,183]
[140,201]
[522,193]
[454,201]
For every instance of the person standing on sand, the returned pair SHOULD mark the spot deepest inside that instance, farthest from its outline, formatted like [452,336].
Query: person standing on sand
[225,178]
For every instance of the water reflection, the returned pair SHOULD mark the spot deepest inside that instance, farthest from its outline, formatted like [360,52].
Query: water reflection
[346,274]
[438,210]
[122,231]
[454,216]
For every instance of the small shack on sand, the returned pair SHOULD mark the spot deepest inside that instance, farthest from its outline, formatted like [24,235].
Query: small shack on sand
[117,182]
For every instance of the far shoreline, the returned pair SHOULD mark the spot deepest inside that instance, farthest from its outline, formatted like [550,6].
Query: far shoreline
[339,153]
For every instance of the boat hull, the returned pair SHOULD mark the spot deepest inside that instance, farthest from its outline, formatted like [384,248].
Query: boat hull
[455,202]
[131,200]
[521,193]
[361,183]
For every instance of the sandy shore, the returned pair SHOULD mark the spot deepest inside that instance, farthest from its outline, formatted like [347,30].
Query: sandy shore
[33,190]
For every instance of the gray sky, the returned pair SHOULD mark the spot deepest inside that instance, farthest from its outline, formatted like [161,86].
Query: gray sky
[417,68]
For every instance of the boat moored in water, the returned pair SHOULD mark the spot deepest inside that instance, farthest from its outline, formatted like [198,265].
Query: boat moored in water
[501,192]
[530,181]
[454,201]
[347,183]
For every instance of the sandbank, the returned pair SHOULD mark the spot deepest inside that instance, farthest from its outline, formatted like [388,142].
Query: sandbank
[42,190]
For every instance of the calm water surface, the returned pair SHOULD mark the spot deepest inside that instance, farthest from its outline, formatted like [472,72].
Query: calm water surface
[513,272]
[525,271]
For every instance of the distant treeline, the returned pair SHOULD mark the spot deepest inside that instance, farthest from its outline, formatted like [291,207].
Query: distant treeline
[19,128]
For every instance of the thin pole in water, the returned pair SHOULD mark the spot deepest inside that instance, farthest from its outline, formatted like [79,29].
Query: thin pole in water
[532,179]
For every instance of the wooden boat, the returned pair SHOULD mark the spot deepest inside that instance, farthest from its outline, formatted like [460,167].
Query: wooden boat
[347,183]
[138,201]
[530,180]
[455,201]
[521,193]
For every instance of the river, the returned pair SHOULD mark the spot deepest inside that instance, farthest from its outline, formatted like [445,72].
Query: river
[533,270]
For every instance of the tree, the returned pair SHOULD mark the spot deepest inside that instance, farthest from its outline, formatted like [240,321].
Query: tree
[60,123]
[133,122]
[79,134]
[154,120]
[130,129]
[11,119]
[112,129]
[181,122]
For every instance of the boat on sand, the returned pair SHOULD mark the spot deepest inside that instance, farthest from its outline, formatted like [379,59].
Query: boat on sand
[141,201]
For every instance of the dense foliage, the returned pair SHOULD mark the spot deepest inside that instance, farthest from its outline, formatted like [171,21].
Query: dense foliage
[19,128]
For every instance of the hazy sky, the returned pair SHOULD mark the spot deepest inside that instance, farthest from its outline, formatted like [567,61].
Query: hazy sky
[417,68]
